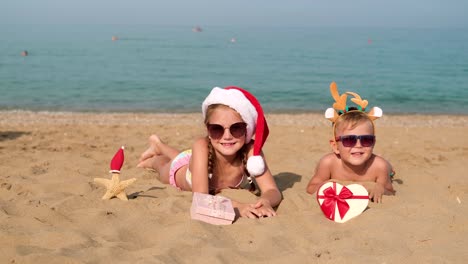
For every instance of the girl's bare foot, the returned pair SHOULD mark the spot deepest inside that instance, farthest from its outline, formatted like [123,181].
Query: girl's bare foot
[148,164]
[153,149]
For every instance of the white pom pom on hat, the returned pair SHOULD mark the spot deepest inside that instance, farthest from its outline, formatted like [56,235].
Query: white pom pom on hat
[251,112]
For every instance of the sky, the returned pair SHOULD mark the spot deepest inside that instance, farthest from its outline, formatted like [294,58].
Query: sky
[320,13]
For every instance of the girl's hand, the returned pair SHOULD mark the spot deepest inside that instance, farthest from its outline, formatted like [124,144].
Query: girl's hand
[260,209]
[263,206]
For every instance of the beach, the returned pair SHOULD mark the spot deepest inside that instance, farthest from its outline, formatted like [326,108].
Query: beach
[51,210]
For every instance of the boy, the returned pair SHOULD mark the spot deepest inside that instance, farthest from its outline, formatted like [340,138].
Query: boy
[352,159]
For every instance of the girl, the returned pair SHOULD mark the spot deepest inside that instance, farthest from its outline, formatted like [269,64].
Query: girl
[228,157]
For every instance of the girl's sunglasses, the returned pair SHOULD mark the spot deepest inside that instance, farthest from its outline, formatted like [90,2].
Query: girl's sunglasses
[237,130]
[350,141]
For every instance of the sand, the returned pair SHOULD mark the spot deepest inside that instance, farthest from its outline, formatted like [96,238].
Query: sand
[51,210]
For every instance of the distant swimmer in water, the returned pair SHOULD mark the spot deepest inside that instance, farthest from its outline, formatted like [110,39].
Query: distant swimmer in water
[114,38]
[197,29]
[24,53]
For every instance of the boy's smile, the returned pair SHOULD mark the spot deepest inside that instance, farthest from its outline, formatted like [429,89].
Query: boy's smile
[356,155]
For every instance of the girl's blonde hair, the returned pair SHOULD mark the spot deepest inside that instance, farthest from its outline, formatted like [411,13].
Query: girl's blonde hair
[241,154]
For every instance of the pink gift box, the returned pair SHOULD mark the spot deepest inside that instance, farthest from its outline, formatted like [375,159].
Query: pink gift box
[216,210]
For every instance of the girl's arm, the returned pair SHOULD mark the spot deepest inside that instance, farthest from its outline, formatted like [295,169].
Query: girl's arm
[270,197]
[263,207]
[268,188]
[199,166]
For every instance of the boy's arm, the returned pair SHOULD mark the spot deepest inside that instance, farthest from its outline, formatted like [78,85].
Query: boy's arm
[321,175]
[388,184]
[384,178]
[383,184]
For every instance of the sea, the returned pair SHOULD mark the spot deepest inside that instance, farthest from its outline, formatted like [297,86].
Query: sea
[160,68]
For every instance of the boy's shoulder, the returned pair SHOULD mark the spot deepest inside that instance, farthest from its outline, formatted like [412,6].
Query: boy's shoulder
[380,163]
[329,159]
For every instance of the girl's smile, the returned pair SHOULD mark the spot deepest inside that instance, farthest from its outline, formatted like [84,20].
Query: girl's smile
[227,121]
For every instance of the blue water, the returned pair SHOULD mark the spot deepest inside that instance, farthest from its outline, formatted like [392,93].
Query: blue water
[172,69]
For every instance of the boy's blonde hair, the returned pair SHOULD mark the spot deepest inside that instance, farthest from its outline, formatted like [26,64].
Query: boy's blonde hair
[350,120]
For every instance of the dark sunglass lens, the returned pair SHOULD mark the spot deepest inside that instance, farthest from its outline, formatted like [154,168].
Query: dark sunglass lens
[367,140]
[349,141]
[238,130]
[215,131]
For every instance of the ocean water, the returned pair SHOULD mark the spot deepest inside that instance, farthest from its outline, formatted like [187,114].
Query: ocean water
[171,69]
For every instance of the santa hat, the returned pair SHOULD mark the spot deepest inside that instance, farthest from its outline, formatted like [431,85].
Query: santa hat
[251,112]
[117,161]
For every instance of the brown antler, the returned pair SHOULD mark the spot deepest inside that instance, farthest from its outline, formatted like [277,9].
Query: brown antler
[339,99]
[332,114]
[357,100]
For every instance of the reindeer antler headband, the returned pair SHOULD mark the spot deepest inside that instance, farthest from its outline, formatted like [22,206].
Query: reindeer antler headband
[340,107]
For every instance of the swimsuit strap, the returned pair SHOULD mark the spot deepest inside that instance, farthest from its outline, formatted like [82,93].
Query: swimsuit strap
[245,183]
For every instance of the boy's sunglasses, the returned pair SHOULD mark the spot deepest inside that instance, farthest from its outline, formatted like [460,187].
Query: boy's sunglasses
[237,130]
[350,141]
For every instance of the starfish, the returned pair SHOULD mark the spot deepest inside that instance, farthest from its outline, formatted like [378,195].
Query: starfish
[115,187]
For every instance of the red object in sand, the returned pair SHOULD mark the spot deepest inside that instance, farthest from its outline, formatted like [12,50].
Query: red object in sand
[117,161]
